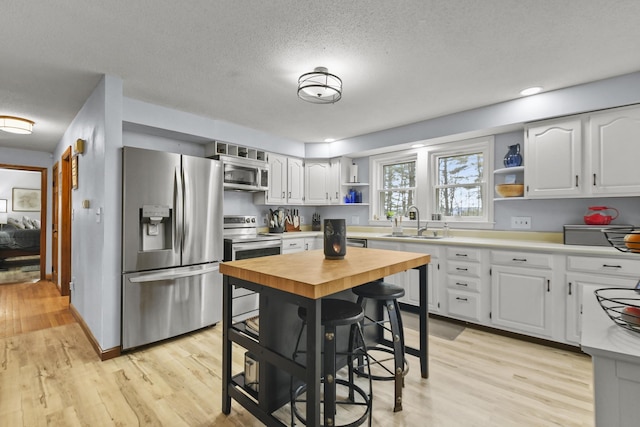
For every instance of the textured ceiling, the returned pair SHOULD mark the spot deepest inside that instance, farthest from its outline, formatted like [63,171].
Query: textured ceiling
[238,61]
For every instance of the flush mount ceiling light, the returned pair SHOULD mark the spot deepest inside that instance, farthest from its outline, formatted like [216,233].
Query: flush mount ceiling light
[16,125]
[530,91]
[320,87]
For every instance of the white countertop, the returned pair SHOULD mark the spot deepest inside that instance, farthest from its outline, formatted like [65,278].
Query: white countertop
[491,243]
[602,337]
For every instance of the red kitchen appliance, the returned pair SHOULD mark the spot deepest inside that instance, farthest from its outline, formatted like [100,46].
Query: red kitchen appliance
[600,215]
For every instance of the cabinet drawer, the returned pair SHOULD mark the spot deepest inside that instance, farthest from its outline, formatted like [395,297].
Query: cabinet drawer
[463,268]
[292,245]
[617,266]
[463,254]
[524,259]
[463,283]
[463,304]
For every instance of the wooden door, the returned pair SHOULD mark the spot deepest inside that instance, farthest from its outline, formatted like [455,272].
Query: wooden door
[64,234]
[54,225]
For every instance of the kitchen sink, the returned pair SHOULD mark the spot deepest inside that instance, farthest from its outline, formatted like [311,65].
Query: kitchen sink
[415,237]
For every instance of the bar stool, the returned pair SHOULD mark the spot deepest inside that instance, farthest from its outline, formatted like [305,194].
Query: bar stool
[387,295]
[337,312]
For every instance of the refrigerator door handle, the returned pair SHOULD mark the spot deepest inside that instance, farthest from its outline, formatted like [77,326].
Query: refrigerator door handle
[154,277]
[186,208]
[178,203]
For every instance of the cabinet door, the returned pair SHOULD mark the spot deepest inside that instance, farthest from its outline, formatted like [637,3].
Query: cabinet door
[521,300]
[316,182]
[312,243]
[553,153]
[577,286]
[333,183]
[295,181]
[277,179]
[614,138]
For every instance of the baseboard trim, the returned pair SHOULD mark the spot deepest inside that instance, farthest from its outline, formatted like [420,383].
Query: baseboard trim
[102,354]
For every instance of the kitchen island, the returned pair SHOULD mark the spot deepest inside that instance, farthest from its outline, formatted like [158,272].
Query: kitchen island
[615,352]
[300,280]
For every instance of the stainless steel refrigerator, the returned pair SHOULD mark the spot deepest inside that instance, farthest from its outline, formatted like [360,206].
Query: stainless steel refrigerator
[172,244]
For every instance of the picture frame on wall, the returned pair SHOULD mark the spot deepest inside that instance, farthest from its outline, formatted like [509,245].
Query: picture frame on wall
[74,172]
[25,199]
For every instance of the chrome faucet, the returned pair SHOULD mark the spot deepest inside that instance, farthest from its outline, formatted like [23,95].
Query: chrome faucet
[419,230]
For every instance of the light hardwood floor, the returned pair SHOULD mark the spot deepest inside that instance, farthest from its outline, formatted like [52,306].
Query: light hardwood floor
[53,377]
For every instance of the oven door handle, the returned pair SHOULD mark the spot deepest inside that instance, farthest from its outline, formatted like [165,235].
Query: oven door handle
[255,245]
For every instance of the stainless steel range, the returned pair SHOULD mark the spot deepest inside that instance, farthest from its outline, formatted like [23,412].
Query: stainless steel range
[242,241]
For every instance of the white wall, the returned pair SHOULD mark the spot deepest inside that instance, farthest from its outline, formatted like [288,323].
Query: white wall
[497,118]
[95,245]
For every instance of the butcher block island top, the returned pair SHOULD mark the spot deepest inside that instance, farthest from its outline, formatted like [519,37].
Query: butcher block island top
[310,275]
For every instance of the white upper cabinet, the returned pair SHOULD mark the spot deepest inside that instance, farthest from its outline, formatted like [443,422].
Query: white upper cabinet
[277,179]
[295,181]
[592,155]
[317,177]
[286,181]
[614,140]
[553,152]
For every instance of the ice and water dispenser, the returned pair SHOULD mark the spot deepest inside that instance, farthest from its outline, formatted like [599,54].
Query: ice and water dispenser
[156,228]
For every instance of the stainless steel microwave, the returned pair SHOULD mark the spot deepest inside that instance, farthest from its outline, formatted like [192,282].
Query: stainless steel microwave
[243,174]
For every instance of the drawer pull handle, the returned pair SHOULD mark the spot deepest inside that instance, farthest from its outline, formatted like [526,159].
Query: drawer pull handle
[461,299]
[461,284]
[611,266]
[576,180]
[462,269]
[462,255]
[569,288]
[519,259]
[548,285]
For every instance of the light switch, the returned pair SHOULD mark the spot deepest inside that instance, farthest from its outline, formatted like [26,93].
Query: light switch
[98,215]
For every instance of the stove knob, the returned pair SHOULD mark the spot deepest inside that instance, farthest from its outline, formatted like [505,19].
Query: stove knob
[247,219]
[253,220]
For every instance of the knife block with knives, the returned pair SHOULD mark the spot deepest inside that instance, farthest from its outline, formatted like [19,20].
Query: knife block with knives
[292,220]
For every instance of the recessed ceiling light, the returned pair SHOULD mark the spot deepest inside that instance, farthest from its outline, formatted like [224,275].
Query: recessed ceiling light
[329,140]
[530,91]
[417,145]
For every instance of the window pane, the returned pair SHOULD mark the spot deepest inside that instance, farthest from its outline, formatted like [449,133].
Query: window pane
[399,175]
[460,201]
[461,169]
[395,202]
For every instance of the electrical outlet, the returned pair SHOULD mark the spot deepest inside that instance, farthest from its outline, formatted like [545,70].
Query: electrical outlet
[521,222]
[301,220]
[355,220]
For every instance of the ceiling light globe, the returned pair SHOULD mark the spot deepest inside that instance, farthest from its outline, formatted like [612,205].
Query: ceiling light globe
[16,125]
[320,87]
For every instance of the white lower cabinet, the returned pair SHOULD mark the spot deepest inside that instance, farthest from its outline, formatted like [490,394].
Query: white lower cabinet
[522,289]
[466,297]
[410,279]
[521,300]
[586,274]
[311,243]
[290,246]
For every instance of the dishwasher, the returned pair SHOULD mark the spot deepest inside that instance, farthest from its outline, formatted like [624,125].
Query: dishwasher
[358,243]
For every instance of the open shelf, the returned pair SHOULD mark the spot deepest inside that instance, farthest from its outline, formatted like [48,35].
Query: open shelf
[515,169]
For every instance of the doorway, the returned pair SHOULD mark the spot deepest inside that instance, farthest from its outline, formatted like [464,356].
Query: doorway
[23,196]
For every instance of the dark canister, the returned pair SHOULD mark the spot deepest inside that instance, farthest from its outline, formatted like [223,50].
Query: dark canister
[335,238]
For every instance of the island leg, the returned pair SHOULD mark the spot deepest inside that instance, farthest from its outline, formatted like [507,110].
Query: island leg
[226,345]
[314,372]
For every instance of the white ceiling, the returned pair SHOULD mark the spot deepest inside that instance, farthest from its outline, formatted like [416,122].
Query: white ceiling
[401,61]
